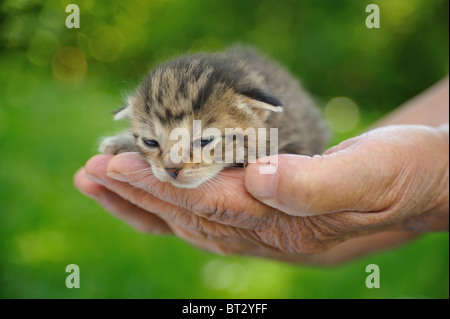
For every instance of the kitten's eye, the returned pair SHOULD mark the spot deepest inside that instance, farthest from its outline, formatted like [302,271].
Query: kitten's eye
[204,142]
[151,143]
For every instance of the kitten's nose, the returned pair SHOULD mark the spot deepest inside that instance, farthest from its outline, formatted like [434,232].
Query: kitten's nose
[173,171]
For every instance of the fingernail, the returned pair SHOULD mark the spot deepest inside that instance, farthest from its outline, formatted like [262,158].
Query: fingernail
[262,180]
[95,179]
[117,176]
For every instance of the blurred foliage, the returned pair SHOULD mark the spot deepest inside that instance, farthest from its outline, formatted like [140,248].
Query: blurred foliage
[58,86]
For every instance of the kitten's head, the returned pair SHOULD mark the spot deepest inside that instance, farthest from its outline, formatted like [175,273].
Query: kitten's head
[218,90]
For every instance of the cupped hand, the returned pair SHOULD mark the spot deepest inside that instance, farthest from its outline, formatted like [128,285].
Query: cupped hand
[391,183]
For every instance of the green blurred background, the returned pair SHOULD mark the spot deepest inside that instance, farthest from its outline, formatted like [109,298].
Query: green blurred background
[59,86]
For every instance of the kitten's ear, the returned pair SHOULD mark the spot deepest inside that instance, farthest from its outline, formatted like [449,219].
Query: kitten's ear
[260,102]
[125,111]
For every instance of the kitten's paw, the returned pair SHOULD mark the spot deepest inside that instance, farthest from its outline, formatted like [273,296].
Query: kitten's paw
[118,144]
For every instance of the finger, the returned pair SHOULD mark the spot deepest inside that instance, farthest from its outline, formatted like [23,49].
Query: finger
[223,199]
[348,180]
[194,229]
[97,168]
[86,186]
[183,221]
[218,244]
[134,216]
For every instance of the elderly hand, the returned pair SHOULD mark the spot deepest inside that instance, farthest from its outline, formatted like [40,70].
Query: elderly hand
[389,179]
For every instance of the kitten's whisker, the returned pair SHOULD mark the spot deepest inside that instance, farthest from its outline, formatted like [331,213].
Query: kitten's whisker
[226,183]
[142,170]
[139,172]
[214,190]
[230,175]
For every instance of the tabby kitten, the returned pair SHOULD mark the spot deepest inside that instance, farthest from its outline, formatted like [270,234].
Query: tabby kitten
[237,88]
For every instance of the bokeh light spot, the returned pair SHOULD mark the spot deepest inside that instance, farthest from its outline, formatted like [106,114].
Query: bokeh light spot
[223,275]
[106,43]
[341,114]
[69,64]
[41,246]
[42,46]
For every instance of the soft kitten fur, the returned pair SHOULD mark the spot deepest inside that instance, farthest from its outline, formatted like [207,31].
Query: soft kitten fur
[236,88]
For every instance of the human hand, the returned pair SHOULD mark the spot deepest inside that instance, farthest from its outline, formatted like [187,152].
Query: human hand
[394,178]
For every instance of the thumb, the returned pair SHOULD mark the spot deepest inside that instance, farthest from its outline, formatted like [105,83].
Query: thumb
[347,178]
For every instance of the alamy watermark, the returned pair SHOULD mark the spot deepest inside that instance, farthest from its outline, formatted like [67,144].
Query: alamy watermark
[373,19]
[73,279]
[73,19]
[235,142]
[235,145]
[373,279]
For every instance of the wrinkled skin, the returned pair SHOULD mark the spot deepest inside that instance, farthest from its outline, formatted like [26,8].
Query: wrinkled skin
[391,183]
